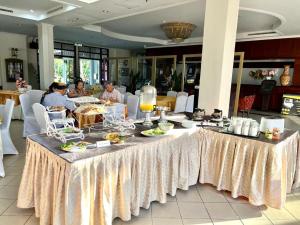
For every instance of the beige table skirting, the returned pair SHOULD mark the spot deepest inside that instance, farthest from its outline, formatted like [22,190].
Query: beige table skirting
[98,189]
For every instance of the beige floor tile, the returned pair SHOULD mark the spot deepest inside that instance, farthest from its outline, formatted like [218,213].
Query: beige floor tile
[221,211]
[171,198]
[9,192]
[197,222]
[227,222]
[13,210]
[4,204]
[13,220]
[168,210]
[5,180]
[247,210]
[285,222]
[161,221]
[257,221]
[210,194]
[138,221]
[276,214]
[33,221]
[145,213]
[190,195]
[190,210]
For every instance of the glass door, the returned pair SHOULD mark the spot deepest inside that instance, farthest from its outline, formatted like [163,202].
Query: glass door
[63,69]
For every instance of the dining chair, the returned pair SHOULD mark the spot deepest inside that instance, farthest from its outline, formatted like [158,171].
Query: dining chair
[39,113]
[190,104]
[172,93]
[132,106]
[6,112]
[27,100]
[137,92]
[182,93]
[180,104]
[126,96]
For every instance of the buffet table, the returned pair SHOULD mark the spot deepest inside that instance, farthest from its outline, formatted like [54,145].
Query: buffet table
[98,185]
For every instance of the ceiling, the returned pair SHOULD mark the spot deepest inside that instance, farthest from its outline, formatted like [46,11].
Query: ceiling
[134,24]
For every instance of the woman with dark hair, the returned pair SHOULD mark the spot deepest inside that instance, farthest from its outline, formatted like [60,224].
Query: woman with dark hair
[78,91]
[50,90]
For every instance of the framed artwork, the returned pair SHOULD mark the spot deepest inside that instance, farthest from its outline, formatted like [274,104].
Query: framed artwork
[14,69]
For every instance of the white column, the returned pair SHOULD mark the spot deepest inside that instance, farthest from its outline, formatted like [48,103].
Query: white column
[219,37]
[46,54]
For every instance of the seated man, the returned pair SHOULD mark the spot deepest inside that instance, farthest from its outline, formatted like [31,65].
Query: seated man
[110,93]
[58,99]
[78,91]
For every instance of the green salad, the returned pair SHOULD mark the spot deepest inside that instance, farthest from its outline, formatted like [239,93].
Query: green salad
[154,132]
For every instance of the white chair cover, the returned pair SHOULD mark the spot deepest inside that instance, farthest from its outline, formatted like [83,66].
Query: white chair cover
[190,104]
[137,92]
[8,145]
[126,97]
[172,93]
[182,93]
[39,114]
[27,100]
[133,106]
[180,104]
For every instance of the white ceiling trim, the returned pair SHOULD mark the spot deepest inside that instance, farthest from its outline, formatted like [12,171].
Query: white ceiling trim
[281,18]
[125,37]
[182,2]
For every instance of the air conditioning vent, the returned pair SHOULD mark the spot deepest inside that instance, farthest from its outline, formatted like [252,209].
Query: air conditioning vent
[56,9]
[6,10]
[262,33]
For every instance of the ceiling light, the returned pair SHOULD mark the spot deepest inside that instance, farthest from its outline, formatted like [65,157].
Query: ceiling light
[178,31]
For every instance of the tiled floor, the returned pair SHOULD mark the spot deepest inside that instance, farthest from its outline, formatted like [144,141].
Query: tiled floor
[202,204]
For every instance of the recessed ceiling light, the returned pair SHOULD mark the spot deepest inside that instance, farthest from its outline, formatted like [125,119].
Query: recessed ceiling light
[31,10]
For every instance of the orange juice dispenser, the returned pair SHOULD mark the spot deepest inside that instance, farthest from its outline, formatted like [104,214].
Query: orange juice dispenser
[147,102]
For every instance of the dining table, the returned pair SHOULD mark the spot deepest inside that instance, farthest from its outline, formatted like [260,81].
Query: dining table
[97,185]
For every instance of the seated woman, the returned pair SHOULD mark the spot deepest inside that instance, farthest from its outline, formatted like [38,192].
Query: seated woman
[110,93]
[78,91]
[57,97]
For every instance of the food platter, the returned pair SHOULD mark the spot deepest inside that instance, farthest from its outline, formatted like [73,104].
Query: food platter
[154,132]
[74,147]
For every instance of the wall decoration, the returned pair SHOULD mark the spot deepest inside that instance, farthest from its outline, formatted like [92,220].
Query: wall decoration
[14,69]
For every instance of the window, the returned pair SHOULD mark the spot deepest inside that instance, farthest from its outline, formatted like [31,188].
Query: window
[91,66]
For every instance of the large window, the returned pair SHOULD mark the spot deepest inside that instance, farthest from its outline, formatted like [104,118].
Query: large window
[90,64]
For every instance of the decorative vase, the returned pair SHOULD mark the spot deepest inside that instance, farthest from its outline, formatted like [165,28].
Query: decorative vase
[285,76]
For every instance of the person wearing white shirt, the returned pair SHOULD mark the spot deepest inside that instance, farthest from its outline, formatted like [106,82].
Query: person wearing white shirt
[111,94]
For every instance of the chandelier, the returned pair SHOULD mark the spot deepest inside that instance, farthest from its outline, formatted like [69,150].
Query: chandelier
[178,31]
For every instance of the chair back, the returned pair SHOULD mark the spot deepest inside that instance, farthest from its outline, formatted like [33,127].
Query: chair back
[40,113]
[182,93]
[133,106]
[28,99]
[190,104]
[172,93]
[7,113]
[246,102]
[137,92]
[180,103]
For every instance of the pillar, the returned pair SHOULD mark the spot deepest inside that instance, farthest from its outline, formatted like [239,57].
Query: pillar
[219,37]
[46,54]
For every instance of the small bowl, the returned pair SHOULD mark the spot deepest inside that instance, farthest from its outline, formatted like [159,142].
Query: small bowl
[166,126]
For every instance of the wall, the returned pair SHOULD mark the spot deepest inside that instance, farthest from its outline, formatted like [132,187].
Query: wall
[246,79]
[8,41]
[116,52]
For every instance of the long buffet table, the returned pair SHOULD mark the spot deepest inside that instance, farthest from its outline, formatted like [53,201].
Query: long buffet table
[99,185]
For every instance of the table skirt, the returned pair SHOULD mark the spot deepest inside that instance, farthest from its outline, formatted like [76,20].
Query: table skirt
[262,172]
[98,189]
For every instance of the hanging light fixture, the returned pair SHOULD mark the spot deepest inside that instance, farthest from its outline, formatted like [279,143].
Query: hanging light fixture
[178,31]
